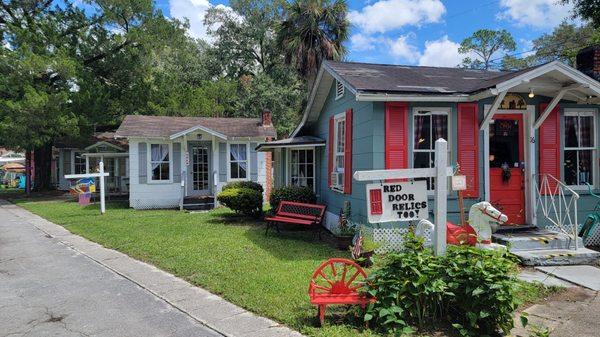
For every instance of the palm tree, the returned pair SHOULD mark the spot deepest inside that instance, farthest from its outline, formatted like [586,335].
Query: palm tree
[313,31]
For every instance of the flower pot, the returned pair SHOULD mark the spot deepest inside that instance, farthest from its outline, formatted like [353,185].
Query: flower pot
[343,242]
[365,259]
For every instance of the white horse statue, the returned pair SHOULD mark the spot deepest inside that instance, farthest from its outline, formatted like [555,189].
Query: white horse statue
[483,218]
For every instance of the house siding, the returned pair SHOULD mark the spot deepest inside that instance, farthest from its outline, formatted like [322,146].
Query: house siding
[153,195]
[363,150]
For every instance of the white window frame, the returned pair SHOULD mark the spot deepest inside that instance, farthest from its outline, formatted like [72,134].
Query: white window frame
[229,178]
[73,154]
[149,179]
[289,163]
[432,111]
[586,112]
[340,90]
[337,119]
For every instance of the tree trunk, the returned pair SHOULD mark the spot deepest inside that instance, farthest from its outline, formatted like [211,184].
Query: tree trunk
[28,172]
[43,168]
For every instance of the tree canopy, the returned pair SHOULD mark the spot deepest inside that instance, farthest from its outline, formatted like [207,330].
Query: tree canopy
[484,44]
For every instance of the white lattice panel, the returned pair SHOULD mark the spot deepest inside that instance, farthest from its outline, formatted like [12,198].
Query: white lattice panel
[390,239]
[153,204]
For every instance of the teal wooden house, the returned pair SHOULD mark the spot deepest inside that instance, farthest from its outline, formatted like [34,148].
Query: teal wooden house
[517,135]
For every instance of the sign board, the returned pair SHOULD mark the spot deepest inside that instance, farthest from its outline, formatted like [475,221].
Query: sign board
[401,201]
[187,159]
[459,183]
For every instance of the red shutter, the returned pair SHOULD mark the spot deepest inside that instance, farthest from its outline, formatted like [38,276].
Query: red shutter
[375,200]
[396,133]
[549,142]
[468,147]
[330,155]
[348,154]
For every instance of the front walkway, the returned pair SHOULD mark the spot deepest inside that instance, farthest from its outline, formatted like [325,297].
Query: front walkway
[57,283]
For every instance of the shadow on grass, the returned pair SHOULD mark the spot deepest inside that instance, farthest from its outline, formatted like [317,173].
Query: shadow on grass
[294,245]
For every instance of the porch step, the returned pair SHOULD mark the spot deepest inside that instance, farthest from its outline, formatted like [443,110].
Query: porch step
[200,203]
[536,239]
[558,257]
[514,228]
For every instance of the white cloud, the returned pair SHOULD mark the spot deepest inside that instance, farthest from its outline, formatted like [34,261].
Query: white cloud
[194,11]
[361,42]
[534,13]
[386,15]
[402,49]
[441,53]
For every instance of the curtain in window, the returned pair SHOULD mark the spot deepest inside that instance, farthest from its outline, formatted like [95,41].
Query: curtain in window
[159,153]
[418,131]
[440,126]
[238,153]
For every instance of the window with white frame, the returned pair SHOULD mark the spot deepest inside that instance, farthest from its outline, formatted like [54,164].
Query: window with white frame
[580,146]
[429,124]
[160,162]
[339,130]
[302,168]
[238,161]
[78,163]
[339,89]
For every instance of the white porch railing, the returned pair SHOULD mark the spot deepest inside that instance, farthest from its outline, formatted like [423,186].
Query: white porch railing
[558,203]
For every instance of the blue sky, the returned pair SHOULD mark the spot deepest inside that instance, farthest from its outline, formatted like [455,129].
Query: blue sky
[416,32]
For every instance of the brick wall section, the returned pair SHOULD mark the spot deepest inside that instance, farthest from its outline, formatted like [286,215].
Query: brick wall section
[268,172]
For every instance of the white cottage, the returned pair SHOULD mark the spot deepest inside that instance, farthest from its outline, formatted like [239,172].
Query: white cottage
[185,161]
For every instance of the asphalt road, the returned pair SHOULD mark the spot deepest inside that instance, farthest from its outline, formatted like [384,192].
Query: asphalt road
[49,289]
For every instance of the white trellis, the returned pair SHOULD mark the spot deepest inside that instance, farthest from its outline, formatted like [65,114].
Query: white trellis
[101,174]
[440,172]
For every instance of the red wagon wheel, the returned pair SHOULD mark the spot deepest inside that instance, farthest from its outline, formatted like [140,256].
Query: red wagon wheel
[337,277]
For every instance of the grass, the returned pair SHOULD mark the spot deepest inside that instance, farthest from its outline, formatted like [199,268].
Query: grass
[225,254]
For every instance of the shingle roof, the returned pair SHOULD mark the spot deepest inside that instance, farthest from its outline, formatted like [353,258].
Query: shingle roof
[368,77]
[164,126]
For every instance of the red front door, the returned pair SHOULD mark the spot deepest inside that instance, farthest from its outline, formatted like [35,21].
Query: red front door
[507,187]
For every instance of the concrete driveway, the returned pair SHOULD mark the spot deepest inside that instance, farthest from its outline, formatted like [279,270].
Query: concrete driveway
[54,283]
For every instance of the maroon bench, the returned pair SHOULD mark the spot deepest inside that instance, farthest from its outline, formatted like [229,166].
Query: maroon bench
[297,213]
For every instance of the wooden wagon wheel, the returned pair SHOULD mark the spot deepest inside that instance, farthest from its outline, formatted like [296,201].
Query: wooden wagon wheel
[339,278]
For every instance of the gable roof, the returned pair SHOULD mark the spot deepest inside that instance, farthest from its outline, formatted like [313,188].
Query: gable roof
[166,126]
[368,77]
[381,82]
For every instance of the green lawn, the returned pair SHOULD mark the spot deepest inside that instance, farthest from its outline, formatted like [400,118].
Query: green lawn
[223,253]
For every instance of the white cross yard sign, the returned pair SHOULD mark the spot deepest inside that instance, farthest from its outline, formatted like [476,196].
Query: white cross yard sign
[408,200]
[99,175]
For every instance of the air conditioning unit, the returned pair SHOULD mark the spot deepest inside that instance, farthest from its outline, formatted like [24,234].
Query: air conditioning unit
[337,179]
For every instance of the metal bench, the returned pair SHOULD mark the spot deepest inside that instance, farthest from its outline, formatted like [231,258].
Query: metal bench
[337,281]
[297,213]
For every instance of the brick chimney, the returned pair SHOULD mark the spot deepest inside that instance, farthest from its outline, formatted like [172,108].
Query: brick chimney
[267,118]
[588,61]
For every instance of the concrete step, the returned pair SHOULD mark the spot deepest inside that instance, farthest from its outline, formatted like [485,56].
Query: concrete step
[536,239]
[199,203]
[557,257]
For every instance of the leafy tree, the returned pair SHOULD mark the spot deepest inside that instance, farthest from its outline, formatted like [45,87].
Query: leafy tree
[66,70]
[562,44]
[313,31]
[485,43]
[587,10]
[245,54]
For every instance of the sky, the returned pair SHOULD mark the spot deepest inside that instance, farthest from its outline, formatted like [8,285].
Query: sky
[416,32]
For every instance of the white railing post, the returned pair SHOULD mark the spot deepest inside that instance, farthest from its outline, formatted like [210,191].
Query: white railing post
[440,196]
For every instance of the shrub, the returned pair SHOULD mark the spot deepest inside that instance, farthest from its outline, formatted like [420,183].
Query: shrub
[242,200]
[291,193]
[408,288]
[244,184]
[484,285]
[474,289]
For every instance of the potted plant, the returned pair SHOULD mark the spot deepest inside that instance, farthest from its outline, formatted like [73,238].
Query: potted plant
[346,229]
[363,254]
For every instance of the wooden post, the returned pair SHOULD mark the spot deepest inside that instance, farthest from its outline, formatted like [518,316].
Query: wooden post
[440,196]
[102,202]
